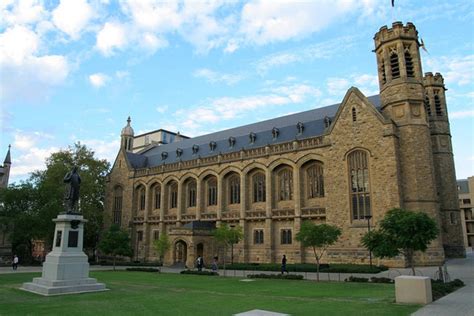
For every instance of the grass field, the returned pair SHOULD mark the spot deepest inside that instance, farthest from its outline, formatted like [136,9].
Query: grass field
[141,293]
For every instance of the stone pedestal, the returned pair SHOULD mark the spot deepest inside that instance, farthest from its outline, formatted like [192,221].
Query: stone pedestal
[66,269]
[413,289]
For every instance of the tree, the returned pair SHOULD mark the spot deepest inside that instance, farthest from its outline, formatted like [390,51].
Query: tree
[401,232]
[319,238]
[162,245]
[228,236]
[116,242]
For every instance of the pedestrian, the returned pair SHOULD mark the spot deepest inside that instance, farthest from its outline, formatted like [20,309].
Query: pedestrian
[199,263]
[283,265]
[214,264]
[15,262]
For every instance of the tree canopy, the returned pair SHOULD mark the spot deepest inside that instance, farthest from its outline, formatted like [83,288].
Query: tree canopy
[228,236]
[162,245]
[401,232]
[116,242]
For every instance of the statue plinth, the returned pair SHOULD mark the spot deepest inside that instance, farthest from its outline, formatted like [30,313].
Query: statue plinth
[66,269]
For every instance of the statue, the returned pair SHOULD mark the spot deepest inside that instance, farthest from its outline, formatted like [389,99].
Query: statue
[71,196]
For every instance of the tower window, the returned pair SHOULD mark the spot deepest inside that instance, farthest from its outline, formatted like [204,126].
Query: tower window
[427,105]
[394,65]
[259,187]
[382,70]
[354,115]
[437,101]
[409,63]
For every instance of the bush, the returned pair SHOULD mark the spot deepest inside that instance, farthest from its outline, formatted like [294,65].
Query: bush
[356,279]
[199,272]
[133,264]
[306,267]
[381,280]
[143,269]
[275,276]
[440,289]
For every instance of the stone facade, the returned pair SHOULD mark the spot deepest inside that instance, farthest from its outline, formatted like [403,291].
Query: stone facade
[366,157]
[5,243]
[466,203]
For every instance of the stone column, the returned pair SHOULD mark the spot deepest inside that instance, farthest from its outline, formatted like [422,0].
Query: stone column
[179,208]
[146,225]
[198,199]
[268,235]
[220,196]
[162,203]
[243,195]
[297,191]
[299,256]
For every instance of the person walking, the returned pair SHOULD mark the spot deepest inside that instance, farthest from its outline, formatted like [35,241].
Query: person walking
[283,265]
[214,264]
[199,263]
[15,262]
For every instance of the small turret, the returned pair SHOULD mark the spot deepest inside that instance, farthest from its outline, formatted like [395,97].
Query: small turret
[5,169]
[435,99]
[127,136]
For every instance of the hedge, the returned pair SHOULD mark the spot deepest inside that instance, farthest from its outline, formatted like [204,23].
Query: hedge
[199,272]
[275,276]
[143,269]
[440,289]
[130,263]
[305,267]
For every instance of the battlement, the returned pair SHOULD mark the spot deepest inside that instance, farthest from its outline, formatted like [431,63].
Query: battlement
[433,80]
[398,31]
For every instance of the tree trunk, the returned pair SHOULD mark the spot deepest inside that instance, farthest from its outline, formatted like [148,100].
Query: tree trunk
[317,264]
[225,253]
[114,262]
[411,263]
[231,253]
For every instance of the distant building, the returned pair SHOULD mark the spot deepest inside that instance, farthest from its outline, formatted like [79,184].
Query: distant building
[5,244]
[466,204]
[346,165]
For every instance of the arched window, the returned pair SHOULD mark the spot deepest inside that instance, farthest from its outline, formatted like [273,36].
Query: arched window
[118,198]
[157,197]
[285,181]
[191,190]
[212,191]
[359,184]
[409,62]
[382,69]
[354,115]
[437,101]
[173,195]
[427,106]
[141,198]
[315,181]
[258,187]
[394,65]
[234,189]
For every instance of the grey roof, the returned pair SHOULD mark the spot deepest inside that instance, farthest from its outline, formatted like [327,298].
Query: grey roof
[463,186]
[313,121]
[200,225]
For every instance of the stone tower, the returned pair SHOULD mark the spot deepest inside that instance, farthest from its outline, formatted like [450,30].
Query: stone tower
[436,109]
[402,98]
[5,170]
[127,136]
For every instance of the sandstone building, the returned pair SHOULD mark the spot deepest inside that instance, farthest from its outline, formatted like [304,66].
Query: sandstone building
[5,243]
[466,204]
[339,164]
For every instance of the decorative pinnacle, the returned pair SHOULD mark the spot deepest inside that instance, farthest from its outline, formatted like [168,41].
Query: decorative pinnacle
[128,121]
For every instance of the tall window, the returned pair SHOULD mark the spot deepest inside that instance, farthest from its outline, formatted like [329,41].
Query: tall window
[315,180]
[139,236]
[285,179]
[285,237]
[409,63]
[382,69]
[118,197]
[156,234]
[394,65]
[359,184]
[212,192]
[141,196]
[427,106]
[437,101]
[192,193]
[258,236]
[174,195]
[157,197]
[234,189]
[259,187]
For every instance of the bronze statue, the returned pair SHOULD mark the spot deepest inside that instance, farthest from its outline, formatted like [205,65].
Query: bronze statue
[71,196]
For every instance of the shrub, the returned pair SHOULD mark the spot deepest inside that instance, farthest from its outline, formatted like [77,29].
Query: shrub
[307,267]
[199,272]
[133,264]
[381,280]
[440,289]
[275,276]
[356,279]
[143,269]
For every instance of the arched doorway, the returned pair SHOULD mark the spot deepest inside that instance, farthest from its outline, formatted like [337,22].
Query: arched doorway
[200,250]
[180,252]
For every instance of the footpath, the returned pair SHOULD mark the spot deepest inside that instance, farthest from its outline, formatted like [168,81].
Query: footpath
[458,303]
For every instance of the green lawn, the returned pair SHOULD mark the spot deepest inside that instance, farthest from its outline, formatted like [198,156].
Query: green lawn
[141,293]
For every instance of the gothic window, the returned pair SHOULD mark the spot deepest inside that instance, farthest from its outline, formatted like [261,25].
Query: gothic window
[285,179]
[258,236]
[300,128]
[275,133]
[327,122]
[252,138]
[382,69]
[157,197]
[231,142]
[354,115]
[139,236]
[156,234]
[409,62]
[195,149]
[141,199]
[192,193]
[174,195]
[234,185]
[164,155]
[359,184]
[394,65]
[427,106]
[315,180]
[212,192]
[118,198]
[437,101]
[258,187]
[285,237]
[212,146]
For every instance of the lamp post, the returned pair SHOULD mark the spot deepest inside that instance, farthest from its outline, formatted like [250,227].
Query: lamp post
[368,217]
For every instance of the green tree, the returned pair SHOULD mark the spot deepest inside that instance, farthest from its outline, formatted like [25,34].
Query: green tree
[401,232]
[50,190]
[162,245]
[227,237]
[319,238]
[116,242]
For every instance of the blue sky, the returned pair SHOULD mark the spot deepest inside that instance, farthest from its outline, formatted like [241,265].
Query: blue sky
[75,70]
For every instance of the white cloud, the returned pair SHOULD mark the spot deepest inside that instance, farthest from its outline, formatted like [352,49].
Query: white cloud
[22,12]
[122,74]
[72,16]
[455,69]
[18,43]
[98,80]
[103,149]
[111,37]
[30,160]
[461,114]
[338,87]
[162,109]
[216,77]
[152,43]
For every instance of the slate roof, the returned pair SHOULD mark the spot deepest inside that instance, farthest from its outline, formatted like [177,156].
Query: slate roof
[313,121]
